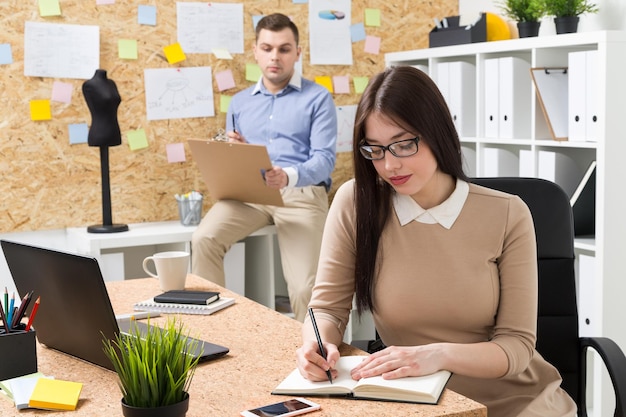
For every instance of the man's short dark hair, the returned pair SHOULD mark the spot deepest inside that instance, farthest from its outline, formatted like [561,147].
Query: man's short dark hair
[275,23]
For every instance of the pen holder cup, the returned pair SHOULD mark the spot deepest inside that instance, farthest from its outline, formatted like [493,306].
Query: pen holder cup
[18,351]
[190,211]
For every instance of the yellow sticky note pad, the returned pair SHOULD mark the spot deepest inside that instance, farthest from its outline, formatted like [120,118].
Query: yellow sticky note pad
[55,394]
[137,139]
[360,83]
[253,72]
[174,53]
[127,48]
[40,110]
[325,81]
[225,102]
[372,17]
[49,8]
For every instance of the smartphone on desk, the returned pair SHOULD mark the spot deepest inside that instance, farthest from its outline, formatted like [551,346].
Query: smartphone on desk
[287,408]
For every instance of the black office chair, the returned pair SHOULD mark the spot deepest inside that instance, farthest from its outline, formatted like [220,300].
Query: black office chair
[557,322]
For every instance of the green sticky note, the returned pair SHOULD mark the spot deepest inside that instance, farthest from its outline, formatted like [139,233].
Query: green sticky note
[127,48]
[40,110]
[137,139]
[360,83]
[253,72]
[49,8]
[372,17]
[225,102]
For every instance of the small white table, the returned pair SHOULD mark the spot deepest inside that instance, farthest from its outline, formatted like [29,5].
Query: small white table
[252,266]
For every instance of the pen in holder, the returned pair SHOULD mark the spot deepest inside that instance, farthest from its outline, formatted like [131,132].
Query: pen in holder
[18,350]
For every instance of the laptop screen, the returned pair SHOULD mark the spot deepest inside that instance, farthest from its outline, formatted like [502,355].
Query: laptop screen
[75,310]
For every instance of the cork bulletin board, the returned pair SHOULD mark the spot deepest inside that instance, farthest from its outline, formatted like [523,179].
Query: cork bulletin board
[48,183]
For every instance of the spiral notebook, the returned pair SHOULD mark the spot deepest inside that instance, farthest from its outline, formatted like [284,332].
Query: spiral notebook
[155,307]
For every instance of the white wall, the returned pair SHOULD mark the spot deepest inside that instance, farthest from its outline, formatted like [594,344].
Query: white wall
[612,15]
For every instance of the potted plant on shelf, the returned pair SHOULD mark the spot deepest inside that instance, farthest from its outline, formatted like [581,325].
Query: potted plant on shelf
[154,370]
[566,13]
[527,14]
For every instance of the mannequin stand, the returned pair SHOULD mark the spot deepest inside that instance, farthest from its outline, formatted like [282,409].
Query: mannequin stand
[107,225]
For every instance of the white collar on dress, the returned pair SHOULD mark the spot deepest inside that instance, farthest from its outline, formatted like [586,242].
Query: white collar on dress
[445,213]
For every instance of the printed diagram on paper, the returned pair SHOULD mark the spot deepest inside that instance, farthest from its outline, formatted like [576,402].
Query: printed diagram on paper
[179,93]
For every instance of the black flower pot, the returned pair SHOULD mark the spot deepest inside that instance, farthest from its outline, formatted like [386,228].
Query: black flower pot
[528,29]
[566,24]
[173,410]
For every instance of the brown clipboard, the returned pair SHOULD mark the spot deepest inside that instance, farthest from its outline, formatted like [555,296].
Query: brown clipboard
[551,87]
[234,171]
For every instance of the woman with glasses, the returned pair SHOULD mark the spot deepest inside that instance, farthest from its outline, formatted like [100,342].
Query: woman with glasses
[447,268]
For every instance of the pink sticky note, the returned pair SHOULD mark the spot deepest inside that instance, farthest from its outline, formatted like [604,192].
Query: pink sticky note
[225,80]
[372,44]
[341,84]
[175,152]
[61,92]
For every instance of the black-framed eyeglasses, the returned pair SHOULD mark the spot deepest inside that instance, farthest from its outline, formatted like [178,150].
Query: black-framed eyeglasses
[400,149]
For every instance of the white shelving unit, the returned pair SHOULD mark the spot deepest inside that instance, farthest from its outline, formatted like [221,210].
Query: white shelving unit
[601,310]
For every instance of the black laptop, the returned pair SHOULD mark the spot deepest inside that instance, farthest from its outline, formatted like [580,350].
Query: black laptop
[75,310]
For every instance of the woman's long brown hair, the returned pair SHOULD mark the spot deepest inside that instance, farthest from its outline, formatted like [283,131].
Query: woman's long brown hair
[408,97]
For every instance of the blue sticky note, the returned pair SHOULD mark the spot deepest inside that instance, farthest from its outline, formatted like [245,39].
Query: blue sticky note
[6,57]
[357,32]
[255,20]
[300,1]
[78,133]
[146,15]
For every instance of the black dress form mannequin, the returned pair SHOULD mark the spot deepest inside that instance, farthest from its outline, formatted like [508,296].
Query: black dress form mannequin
[103,100]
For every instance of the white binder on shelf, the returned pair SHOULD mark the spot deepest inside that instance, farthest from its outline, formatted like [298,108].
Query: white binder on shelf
[514,98]
[492,102]
[583,103]
[526,163]
[500,162]
[551,85]
[457,83]
[507,98]
[589,308]
[559,168]
[469,161]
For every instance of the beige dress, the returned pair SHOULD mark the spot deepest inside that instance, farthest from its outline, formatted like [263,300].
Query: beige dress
[475,281]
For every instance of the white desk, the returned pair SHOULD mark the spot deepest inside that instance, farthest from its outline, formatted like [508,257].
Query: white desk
[252,266]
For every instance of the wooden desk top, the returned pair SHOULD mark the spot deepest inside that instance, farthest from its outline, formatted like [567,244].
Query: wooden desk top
[262,347]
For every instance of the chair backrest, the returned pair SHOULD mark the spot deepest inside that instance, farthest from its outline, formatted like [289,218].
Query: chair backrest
[557,321]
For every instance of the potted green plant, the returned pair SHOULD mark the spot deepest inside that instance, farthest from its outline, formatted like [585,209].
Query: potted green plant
[154,370]
[566,13]
[527,14]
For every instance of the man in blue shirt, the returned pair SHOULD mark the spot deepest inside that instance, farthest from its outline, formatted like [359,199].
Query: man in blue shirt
[296,120]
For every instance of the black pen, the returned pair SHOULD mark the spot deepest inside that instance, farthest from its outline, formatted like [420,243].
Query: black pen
[319,342]
[234,128]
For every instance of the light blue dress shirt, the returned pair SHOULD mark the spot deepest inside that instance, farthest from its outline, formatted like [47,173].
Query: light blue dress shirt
[298,125]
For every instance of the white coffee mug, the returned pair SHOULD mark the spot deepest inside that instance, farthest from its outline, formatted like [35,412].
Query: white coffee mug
[171,269]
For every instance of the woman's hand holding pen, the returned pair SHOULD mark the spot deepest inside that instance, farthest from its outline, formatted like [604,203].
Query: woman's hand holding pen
[312,365]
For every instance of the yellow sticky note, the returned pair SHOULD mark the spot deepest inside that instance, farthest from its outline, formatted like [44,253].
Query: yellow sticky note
[360,83]
[40,110]
[49,8]
[127,48]
[325,81]
[253,72]
[174,53]
[225,102]
[372,17]
[55,394]
[222,53]
[137,139]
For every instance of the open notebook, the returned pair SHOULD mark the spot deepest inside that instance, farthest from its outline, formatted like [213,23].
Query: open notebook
[419,389]
[75,310]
